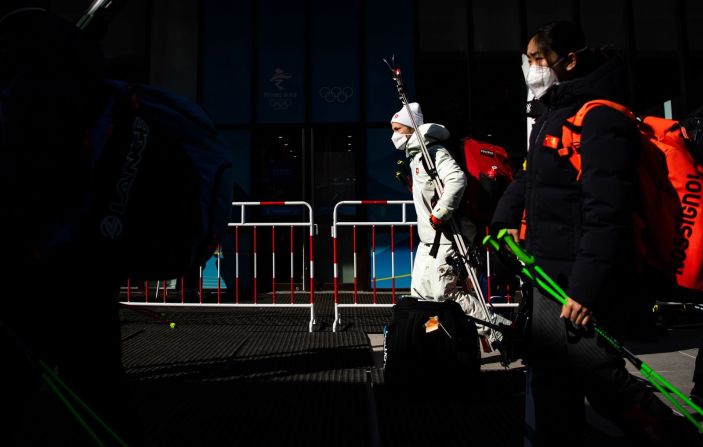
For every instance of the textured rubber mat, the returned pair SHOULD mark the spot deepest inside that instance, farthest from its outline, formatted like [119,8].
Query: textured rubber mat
[320,357]
[186,350]
[228,345]
[255,376]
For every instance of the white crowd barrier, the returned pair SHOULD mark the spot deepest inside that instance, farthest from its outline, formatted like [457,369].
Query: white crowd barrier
[404,222]
[280,298]
[208,282]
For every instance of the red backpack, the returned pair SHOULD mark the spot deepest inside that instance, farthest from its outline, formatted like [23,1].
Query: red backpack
[669,226]
[489,173]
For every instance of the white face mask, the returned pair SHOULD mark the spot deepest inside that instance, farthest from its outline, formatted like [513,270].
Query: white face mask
[400,140]
[539,78]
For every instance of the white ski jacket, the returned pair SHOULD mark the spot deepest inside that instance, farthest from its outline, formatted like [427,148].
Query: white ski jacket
[449,172]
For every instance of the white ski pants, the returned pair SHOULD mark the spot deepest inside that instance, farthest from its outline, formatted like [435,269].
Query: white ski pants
[436,279]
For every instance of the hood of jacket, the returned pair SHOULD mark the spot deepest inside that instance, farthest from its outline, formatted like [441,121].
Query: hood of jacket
[431,133]
[606,81]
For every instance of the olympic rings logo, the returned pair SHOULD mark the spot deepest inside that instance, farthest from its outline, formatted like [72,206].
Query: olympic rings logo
[336,94]
[279,103]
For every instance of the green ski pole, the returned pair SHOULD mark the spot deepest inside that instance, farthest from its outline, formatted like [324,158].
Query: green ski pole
[529,270]
[56,384]
[62,391]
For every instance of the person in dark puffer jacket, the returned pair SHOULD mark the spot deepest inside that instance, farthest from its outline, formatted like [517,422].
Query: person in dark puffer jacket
[580,233]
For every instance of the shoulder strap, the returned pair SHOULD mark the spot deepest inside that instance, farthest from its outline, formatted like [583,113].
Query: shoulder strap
[571,131]
[581,114]
[438,232]
[431,173]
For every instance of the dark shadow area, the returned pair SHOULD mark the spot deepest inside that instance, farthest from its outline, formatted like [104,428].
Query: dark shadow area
[488,411]
[256,377]
[671,339]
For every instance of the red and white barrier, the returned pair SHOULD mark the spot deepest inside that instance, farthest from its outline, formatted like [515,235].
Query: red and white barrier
[243,222]
[404,222]
[239,221]
[489,291]
[282,294]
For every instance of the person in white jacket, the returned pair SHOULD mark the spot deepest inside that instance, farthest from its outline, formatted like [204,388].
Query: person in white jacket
[435,278]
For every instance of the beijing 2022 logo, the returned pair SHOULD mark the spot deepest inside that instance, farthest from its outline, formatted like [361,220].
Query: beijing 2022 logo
[280,99]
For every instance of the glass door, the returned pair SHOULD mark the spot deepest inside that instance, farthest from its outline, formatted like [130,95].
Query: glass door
[318,165]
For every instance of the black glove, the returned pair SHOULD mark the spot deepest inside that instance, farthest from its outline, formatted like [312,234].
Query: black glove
[403,175]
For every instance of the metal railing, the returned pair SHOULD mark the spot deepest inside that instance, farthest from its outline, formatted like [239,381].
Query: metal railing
[337,224]
[239,221]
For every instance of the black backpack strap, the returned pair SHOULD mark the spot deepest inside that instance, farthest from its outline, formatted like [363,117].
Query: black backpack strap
[438,233]
[433,173]
[435,244]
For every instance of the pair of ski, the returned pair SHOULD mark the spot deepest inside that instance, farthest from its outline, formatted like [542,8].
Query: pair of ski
[458,241]
[523,264]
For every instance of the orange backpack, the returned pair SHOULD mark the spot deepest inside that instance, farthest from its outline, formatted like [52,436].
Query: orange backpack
[669,225]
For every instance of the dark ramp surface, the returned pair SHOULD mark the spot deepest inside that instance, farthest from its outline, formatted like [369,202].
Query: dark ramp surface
[247,377]
[256,377]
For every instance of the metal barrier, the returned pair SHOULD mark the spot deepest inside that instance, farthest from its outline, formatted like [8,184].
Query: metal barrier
[163,286]
[491,297]
[392,224]
[210,277]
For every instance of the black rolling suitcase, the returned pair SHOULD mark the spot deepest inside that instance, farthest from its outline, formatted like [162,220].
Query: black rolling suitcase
[430,342]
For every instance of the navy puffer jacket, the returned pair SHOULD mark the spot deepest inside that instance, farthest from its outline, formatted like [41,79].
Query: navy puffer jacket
[580,231]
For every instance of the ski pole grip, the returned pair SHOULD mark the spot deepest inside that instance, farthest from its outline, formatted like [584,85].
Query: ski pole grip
[529,262]
[513,264]
[521,254]
[491,243]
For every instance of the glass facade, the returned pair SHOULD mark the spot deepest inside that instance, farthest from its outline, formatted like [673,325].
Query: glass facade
[300,90]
